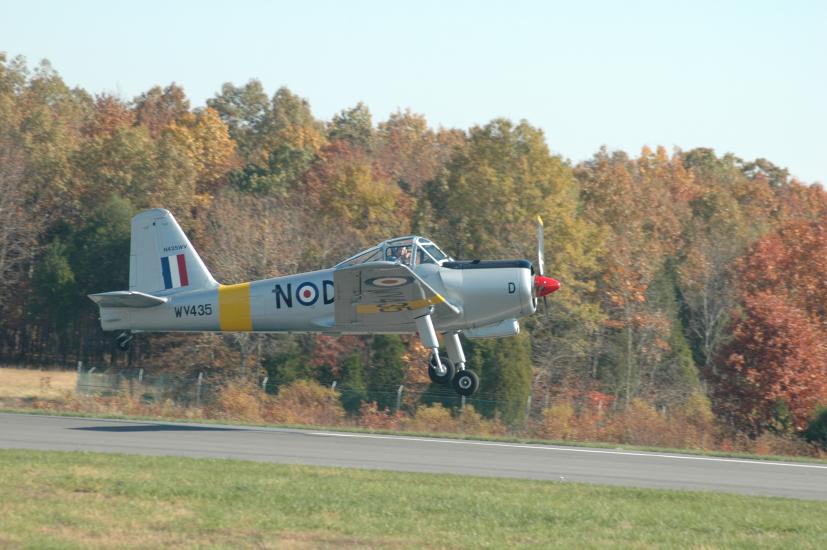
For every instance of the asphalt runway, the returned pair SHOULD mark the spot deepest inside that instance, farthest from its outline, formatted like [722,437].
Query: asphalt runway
[416,454]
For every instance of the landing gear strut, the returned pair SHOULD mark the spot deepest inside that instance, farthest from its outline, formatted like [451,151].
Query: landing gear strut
[465,382]
[446,370]
[123,340]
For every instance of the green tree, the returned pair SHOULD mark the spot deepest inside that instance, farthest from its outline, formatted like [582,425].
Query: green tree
[54,286]
[244,109]
[354,126]
[100,251]
[353,388]
[278,140]
[505,369]
[286,365]
[387,369]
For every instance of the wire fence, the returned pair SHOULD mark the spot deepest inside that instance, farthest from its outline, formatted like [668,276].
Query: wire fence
[199,388]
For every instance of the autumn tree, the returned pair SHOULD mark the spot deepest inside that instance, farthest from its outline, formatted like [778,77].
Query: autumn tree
[634,341]
[777,352]
[159,108]
[343,189]
[484,203]
[18,228]
[409,151]
[777,360]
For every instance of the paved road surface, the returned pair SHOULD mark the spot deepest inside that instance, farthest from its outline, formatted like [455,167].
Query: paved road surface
[415,454]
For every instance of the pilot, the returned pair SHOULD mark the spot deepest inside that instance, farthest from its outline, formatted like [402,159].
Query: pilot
[404,255]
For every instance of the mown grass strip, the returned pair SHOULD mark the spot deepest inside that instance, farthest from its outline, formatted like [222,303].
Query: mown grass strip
[63,499]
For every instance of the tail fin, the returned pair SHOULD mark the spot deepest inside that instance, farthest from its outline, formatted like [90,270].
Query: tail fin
[161,257]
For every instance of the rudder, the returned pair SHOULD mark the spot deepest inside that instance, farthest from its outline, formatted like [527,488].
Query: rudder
[161,258]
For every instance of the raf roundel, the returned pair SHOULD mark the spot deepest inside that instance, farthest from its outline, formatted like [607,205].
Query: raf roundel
[389,282]
[307,294]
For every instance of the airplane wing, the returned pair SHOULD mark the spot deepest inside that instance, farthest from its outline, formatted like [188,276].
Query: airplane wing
[376,294]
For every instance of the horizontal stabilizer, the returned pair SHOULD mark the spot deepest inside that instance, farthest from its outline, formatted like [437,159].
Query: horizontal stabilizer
[127,298]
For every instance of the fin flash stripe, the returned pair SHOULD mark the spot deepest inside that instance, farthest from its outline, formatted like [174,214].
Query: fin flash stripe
[234,307]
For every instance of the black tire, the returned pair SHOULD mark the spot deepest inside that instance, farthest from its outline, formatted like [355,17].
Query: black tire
[466,382]
[123,341]
[447,377]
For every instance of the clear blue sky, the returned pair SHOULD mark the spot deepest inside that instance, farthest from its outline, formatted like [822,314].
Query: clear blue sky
[743,77]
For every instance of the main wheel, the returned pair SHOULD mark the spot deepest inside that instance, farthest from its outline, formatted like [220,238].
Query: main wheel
[466,382]
[123,341]
[446,378]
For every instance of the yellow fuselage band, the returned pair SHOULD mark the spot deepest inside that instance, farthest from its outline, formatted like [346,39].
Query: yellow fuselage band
[234,307]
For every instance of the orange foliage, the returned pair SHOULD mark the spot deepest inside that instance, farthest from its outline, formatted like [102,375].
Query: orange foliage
[371,416]
[778,353]
[110,113]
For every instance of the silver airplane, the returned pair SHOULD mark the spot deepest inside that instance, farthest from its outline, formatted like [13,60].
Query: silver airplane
[405,285]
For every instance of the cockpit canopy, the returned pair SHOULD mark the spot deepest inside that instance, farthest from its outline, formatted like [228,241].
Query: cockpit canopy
[410,251]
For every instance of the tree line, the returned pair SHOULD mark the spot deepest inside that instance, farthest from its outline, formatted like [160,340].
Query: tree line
[686,275]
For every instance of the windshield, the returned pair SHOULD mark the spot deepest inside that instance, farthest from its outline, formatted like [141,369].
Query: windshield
[435,252]
[429,253]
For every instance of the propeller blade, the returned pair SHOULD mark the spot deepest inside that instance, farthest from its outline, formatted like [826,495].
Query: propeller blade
[540,246]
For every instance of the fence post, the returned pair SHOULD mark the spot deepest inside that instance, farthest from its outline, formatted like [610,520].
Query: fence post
[80,367]
[462,403]
[198,389]
[399,397]
[141,375]
[333,385]
[527,408]
[264,384]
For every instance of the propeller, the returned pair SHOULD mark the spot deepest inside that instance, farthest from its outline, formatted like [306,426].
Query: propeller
[543,286]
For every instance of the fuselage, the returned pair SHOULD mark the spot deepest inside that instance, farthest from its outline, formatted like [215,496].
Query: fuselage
[485,292]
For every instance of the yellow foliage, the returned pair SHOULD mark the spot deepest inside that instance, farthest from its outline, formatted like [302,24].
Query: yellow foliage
[237,401]
[559,422]
[306,402]
[433,418]
[470,421]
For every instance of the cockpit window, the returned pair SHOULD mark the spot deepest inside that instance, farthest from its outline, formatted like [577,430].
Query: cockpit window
[409,251]
[371,255]
[400,254]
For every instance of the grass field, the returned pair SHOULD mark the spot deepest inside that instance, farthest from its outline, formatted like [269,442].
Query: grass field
[28,383]
[54,499]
